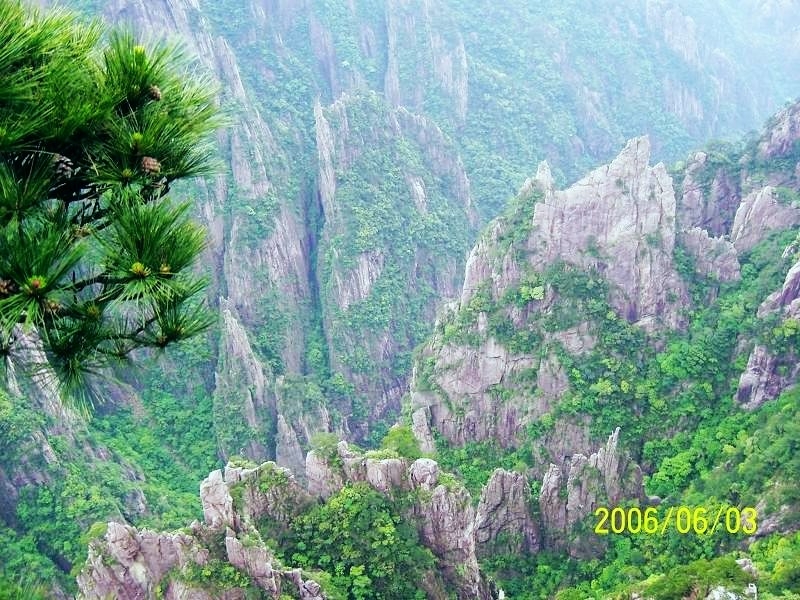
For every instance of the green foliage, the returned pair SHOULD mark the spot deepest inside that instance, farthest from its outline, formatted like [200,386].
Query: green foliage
[474,462]
[358,539]
[17,424]
[90,139]
[22,565]
[698,577]
[401,439]
[217,576]
[325,445]
[777,559]
[535,577]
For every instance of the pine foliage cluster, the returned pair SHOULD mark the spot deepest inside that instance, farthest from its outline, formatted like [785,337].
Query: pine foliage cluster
[95,259]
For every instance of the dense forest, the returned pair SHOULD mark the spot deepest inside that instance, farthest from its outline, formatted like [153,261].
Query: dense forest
[413,292]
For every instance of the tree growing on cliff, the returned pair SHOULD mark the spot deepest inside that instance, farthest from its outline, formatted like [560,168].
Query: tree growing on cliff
[95,260]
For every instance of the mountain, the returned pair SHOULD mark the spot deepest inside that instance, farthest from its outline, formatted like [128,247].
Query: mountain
[371,142]
[606,346]
[637,322]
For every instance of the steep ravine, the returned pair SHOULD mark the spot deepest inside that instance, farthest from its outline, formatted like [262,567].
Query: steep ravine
[283,58]
[280,61]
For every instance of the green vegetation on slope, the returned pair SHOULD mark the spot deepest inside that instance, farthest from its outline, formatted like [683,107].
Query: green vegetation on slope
[359,539]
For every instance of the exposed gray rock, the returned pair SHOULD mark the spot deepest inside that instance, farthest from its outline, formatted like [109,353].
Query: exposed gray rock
[443,513]
[446,526]
[424,474]
[288,452]
[472,378]
[216,500]
[308,590]
[503,521]
[766,374]
[253,560]
[709,207]
[620,221]
[420,427]
[128,564]
[323,480]
[759,213]
[720,593]
[782,135]
[350,280]
[253,404]
[626,211]
[762,380]
[386,475]
[265,491]
[713,257]
[786,296]
[568,495]
[746,565]
[551,500]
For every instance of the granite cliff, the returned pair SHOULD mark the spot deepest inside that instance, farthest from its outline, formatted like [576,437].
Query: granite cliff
[242,504]
[627,226]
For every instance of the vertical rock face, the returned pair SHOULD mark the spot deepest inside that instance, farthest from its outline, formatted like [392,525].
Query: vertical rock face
[244,403]
[569,495]
[447,529]
[259,253]
[279,259]
[620,219]
[714,257]
[781,139]
[414,29]
[768,374]
[130,564]
[369,247]
[619,222]
[708,206]
[503,522]
[762,380]
[760,213]
[627,211]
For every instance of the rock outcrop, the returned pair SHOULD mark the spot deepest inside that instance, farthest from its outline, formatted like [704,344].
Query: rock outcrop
[619,223]
[570,494]
[127,563]
[768,374]
[760,213]
[443,512]
[620,219]
[503,521]
[714,257]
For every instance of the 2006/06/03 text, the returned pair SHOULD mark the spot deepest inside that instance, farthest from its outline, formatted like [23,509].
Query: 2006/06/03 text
[683,519]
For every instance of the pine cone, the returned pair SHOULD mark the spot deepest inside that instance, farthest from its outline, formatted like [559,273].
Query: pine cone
[150,165]
[155,93]
[7,287]
[64,166]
